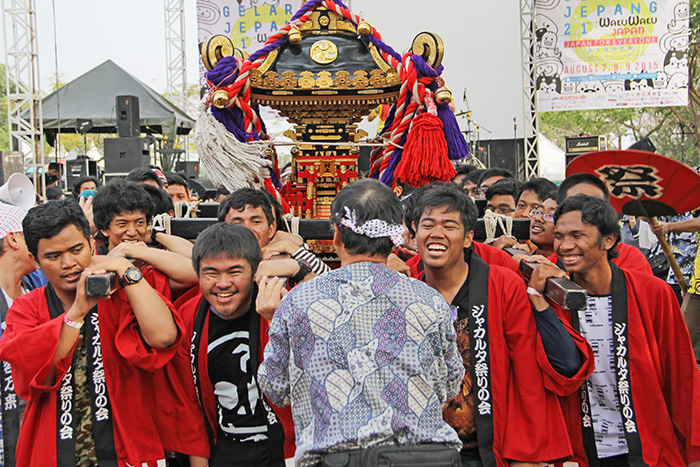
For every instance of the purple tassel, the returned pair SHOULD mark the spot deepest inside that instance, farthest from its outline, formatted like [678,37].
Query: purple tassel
[387,124]
[224,73]
[232,119]
[388,176]
[456,144]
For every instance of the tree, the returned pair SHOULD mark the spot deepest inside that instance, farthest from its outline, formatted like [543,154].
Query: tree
[4,131]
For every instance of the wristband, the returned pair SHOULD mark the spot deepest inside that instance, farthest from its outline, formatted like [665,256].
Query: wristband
[69,322]
[533,291]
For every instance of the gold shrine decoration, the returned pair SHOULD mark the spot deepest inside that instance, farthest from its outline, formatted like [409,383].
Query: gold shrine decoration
[324,52]
[360,79]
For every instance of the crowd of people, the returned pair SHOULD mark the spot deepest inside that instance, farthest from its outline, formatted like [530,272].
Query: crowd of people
[423,347]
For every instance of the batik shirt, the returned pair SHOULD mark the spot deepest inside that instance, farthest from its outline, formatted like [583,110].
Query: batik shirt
[366,356]
[684,246]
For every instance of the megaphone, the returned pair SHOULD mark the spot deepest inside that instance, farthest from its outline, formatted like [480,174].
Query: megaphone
[19,191]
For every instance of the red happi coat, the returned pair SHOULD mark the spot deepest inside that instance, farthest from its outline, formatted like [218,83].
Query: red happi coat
[188,306]
[528,424]
[629,258]
[663,375]
[178,413]
[29,344]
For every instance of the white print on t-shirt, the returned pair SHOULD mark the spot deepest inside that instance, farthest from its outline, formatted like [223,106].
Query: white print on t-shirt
[596,327]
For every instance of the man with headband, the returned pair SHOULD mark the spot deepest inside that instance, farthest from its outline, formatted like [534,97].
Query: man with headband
[15,263]
[366,356]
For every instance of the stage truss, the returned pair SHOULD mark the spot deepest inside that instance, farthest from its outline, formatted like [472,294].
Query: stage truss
[22,83]
[531,121]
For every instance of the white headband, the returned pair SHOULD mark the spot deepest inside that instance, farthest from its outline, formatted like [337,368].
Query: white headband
[374,228]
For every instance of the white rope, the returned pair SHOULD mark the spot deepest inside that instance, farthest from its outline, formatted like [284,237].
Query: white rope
[227,161]
[162,220]
[294,228]
[493,220]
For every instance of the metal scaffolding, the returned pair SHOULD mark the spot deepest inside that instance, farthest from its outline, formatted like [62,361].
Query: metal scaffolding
[531,121]
[176,74]
[175,58]
[22,82]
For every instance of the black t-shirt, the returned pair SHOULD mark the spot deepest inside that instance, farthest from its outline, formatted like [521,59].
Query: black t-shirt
[241,415]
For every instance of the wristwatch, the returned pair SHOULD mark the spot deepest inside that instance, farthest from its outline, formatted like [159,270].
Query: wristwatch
[154,231]
[304,269]
[131,276]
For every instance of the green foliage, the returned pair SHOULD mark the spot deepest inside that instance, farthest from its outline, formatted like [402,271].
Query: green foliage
[4,132]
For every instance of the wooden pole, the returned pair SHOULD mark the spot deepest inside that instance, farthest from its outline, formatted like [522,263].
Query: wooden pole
[669,256]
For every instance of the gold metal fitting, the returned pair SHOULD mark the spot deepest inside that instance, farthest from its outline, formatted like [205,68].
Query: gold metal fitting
[220,99]
[354,149]
[295,150]
[294,35]
[364,28]
[443,95]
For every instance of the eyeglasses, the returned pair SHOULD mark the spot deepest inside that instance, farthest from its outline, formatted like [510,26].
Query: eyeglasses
[501,209]
[546,216]
[482,190]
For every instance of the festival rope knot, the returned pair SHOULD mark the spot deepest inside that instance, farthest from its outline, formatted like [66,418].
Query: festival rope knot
[493,220]
[373,228]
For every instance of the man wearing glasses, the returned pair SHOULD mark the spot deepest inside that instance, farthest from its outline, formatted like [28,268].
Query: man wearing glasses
[501,197]
[542,226]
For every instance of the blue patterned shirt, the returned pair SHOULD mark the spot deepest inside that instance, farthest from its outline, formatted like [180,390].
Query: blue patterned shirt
[365,356]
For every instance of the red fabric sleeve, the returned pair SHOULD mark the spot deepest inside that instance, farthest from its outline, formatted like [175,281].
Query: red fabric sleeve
[29,344]
[534,424]
[414,266]
[128,340]
[632,259]
[681,379]
[496,257]
[179,415]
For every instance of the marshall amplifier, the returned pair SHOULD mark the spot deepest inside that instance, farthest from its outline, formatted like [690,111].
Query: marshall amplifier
[583,144]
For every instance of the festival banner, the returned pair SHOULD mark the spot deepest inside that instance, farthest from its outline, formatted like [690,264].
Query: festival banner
[603,54]
[249,23]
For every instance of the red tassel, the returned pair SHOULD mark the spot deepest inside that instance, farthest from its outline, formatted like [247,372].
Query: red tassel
[425,155]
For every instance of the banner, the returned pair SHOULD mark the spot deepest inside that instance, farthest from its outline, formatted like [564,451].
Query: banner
[249,23]
[602,54]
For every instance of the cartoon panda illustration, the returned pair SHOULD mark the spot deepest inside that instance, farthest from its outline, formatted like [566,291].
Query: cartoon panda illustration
[614,86]
[641,84]
[586,87]
[548,84]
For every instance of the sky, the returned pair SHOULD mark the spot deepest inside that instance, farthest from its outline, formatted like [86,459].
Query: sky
[482,46]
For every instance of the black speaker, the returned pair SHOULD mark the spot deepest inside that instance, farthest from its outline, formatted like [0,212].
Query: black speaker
[190,168]
[644,144]
[128,118]
[79,168]
[506,154]
[204,188]
[569,157]
[122,155]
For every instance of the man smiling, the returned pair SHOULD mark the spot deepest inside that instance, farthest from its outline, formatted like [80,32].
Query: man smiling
[641,406]
[627,257]
[122,212]
[85,365]
[542,226]
[492,315]
[228,335]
